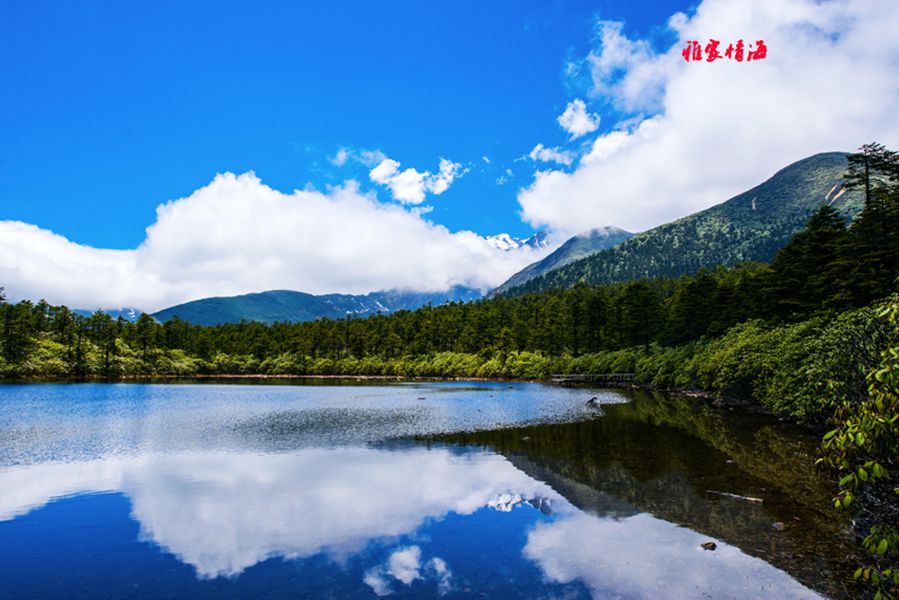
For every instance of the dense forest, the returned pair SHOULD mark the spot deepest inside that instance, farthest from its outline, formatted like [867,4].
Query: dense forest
[813,334]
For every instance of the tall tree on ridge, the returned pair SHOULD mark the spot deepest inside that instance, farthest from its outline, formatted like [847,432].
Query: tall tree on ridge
[871,257]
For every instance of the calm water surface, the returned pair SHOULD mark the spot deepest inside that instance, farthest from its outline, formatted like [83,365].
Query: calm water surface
[405,490]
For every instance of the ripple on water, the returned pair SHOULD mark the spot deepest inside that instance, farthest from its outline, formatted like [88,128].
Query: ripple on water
[79,421]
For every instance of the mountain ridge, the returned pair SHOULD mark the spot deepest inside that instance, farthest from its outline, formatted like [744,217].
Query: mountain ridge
[292,306]
[750,226]
[575,248]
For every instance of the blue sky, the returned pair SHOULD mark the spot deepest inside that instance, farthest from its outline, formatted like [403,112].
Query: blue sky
[109,111]
[112,108]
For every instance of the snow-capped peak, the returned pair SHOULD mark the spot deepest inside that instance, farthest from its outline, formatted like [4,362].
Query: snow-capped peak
[504,241]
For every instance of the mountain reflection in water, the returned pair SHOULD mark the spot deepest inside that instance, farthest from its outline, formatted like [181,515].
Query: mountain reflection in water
[611,507]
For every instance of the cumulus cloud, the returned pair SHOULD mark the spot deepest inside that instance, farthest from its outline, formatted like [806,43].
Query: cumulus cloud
[541,153]
[405,566]
[577,121]
[410,185]
[695,134]
[237,235]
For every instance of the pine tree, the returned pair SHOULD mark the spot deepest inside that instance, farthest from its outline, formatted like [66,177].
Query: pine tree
[870,258]
[802,279]
[640,314]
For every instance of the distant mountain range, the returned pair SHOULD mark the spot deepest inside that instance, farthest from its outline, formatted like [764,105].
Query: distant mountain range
[576,248]
[285,305]
[752,226]
[129,314]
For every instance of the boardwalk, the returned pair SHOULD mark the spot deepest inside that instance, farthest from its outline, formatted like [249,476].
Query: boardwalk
[564,379]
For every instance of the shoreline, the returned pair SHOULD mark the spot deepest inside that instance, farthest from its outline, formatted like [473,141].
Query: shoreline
[722,402]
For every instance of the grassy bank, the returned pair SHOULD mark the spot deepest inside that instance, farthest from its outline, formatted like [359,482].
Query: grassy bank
[794,369]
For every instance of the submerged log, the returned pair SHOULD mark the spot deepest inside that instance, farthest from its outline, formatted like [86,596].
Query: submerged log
[736,496]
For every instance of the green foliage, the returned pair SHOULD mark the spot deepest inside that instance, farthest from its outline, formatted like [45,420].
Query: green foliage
[804,271]
[863,451]
[47,358]
[752,226]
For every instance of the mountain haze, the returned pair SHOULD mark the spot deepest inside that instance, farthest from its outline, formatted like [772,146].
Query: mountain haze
[751,226]
[289,306]
[129,314]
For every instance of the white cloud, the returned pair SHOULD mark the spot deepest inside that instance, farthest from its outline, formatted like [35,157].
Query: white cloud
[410,185]
[541,153]
[443,574]
[368,158]
[385,171]
[505,177]
[237,235]
[340,158]
[448,172]
[486,159]
[828,83]
[625,71]
[405,565]
[613,559]
[577,121]
[379,584]
[223,512]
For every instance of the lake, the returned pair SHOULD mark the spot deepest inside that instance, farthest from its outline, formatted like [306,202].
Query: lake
[496,490]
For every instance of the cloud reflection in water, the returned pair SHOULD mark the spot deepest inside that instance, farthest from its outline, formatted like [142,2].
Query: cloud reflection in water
[223,512]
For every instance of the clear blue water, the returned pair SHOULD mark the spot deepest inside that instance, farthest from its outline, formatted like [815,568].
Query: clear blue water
[402,490]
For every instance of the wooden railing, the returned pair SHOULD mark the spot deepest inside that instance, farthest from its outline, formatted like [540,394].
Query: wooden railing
[564,378]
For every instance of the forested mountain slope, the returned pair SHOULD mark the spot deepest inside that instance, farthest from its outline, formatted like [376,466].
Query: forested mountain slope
[292,307]
[749,227]
[580,246]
